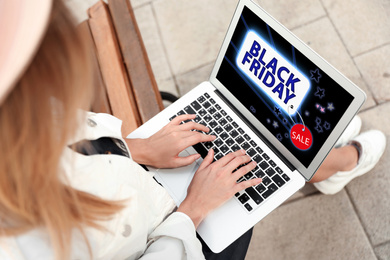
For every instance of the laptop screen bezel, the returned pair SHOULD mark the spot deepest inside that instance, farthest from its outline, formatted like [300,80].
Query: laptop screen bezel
[358,95]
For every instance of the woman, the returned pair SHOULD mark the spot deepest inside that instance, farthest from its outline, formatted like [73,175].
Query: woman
[70,185]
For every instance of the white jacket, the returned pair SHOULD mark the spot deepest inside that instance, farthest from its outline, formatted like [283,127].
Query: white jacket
[145,229]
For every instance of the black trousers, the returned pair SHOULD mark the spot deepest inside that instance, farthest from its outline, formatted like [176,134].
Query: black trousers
[236,251]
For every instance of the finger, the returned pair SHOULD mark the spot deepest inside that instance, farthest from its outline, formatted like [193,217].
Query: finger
[246,184]
[239,160]
[195,138]
[207,160]
[177,120]
[192,125]
[227,158]
[183,161]
[244,170]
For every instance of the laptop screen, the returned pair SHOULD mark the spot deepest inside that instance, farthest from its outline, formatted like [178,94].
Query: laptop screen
[294,99]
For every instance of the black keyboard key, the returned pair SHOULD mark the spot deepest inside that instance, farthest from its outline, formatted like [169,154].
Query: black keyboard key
[224,136]
[267,193]
[218,130]
[197,119]
[233,133]
[207,118]
[201,99]
[213,124]
[228,128]
[246,146]
[170,119]
[270,172]
[223,112]
[189,110]
[264,165]
[218,142]
[254,195]
[202,112]
[273,164]
[235,148]
[200,149]
[237,194]
[208,145]
[259,174]
[249,175]
[239,139]
[251,152]
[211,110]
[253,143]
[212,101]
[217,116]
[219,156]
[257,158]
[229,119]
[203,123]
[181,112]
[222,122]
[224,149]
[272,187]
[278,180]
[206,95]
[247,137]
[266,181]
[265,156]
[259,150]
[196,105]
[243,198]
[218,107]
[280,171]
[260,188]
[241,131]
[248,207]
[286,177]
[216,150]
[235,125]
[230,142]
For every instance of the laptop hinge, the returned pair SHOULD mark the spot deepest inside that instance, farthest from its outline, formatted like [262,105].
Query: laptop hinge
[254,129]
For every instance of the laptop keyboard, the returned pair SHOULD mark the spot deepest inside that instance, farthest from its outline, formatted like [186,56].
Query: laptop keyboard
[230,138]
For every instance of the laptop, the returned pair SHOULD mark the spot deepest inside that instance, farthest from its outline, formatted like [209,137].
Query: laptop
[272,95]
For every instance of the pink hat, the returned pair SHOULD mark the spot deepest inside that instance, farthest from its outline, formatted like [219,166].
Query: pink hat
[23,24]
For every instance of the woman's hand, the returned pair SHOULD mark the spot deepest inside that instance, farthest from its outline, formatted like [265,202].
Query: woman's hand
[215,183]
[162,149]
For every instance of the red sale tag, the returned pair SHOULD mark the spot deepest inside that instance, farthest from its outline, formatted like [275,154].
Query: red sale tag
[301,136]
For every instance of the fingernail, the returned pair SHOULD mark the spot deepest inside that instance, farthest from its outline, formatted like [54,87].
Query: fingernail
[243,151]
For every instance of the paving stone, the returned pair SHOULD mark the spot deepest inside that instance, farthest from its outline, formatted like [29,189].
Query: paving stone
[322,37]
[154,47]
[362,24]
[370,193]
[193,31]
[290,13]
[317,227]
[375,68]
[188,81]
[383,251]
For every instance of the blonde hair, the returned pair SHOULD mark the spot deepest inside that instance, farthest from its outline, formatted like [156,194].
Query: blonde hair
[36,120]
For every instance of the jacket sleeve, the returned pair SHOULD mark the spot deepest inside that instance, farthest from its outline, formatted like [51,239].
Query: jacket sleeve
[175,238]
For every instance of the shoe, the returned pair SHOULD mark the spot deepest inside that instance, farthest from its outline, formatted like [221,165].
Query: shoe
[371,146]
[350,132]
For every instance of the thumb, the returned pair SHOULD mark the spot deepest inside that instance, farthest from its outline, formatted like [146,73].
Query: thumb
[184,161]
[207,160]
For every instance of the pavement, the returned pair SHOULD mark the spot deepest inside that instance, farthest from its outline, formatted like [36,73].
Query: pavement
[183,37]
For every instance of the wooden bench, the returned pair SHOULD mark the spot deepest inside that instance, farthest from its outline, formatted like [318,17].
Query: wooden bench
[127,88]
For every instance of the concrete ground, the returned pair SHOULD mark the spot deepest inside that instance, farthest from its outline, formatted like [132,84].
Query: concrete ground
[183,38]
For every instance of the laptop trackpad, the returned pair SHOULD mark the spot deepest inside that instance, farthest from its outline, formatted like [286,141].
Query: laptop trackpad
[176,181]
